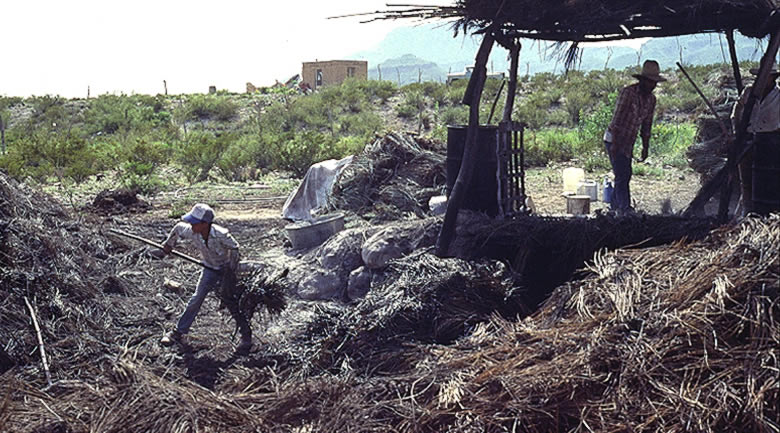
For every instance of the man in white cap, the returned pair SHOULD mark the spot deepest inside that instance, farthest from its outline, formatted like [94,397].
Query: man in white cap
[633,115]
[763,132]
[219,252]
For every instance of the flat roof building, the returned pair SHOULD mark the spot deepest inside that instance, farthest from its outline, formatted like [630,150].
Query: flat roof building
[322,73]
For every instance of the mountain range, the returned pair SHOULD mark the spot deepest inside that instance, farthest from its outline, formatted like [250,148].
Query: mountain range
[428,52]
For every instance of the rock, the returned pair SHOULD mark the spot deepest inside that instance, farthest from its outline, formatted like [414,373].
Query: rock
[342,251]
[320,284]
[173,286]
[359,283]
[395,241]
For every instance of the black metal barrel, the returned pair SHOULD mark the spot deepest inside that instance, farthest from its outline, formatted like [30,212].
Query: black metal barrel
[482,193]
[766,173]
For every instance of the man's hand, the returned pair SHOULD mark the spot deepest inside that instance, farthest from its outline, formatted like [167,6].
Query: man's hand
[644,154]
[167,249]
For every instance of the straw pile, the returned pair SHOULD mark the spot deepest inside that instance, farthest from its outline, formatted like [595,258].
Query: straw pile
[682,337]
[392,178]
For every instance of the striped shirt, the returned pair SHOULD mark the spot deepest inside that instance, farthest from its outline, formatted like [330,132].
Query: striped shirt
[633,111]
[216,254]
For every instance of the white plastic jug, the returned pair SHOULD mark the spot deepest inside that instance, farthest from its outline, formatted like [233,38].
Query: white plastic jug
[571,177]
[589,188]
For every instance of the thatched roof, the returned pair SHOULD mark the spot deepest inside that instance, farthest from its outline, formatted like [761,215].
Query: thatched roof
[599,20]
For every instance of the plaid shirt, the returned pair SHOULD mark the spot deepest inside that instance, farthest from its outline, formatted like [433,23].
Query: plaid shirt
[633,110]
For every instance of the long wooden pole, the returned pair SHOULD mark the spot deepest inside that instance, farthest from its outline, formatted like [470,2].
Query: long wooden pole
[721,122]
[514,53]
[734,61]
[468,161]
[160,246]
[737,151]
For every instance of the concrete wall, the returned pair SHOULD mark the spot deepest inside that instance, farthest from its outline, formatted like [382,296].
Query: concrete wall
[333,71]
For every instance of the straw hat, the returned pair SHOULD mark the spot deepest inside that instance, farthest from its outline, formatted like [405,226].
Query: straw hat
[651,71]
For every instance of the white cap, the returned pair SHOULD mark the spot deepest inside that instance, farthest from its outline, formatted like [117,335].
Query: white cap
[200,213]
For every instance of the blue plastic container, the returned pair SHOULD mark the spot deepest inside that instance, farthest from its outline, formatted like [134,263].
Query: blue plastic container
[606,194]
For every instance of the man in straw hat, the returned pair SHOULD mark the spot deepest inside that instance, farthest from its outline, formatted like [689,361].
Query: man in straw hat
[219,252]
[763,134]
[633,114]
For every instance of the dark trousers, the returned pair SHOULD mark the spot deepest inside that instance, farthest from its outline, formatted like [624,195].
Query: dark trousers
[621,168]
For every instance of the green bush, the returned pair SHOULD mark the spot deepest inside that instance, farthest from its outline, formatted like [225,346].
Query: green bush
[63,154]
[141,163]
[412,105]
[200,151]
[204,107]
[295,152]
[379,90]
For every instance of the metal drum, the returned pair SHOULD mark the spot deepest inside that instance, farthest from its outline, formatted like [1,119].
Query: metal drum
[482,194]
[766,173]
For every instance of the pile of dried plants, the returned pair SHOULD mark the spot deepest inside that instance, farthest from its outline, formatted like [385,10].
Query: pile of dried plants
[677,337]
[392,178]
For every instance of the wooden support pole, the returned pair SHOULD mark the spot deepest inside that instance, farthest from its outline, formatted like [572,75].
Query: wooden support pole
[514,53]
[737,150]
[468,161]
[495,101]
[734,61]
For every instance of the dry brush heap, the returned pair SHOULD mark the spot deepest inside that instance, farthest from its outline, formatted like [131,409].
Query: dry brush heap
[682,337]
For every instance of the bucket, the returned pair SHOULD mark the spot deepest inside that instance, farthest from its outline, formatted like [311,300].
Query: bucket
[766,174]
[571,177]
[481,195]
[578,204]
[307,234]
[589,188]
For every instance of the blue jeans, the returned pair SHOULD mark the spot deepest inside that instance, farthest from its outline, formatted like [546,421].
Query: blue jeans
[621,167]
[207,281]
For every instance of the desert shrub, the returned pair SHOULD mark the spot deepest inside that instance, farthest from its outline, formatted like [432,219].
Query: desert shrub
[295,152]
[379,90]
[412,104]
[141,162]
[593,125]
[109,114]
[200,151]
[216,107]
[63,154]
[668,142]
[578,96]
[244,158]
[454,115]
[549,144]
[454,92]
[362,125]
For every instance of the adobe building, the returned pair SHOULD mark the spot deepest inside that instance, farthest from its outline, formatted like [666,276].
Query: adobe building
[317,74]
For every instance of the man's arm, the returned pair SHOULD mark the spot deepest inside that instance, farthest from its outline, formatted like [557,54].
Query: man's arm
[173,236]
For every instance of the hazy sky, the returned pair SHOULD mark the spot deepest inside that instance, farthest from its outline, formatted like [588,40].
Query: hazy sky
[63,46]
